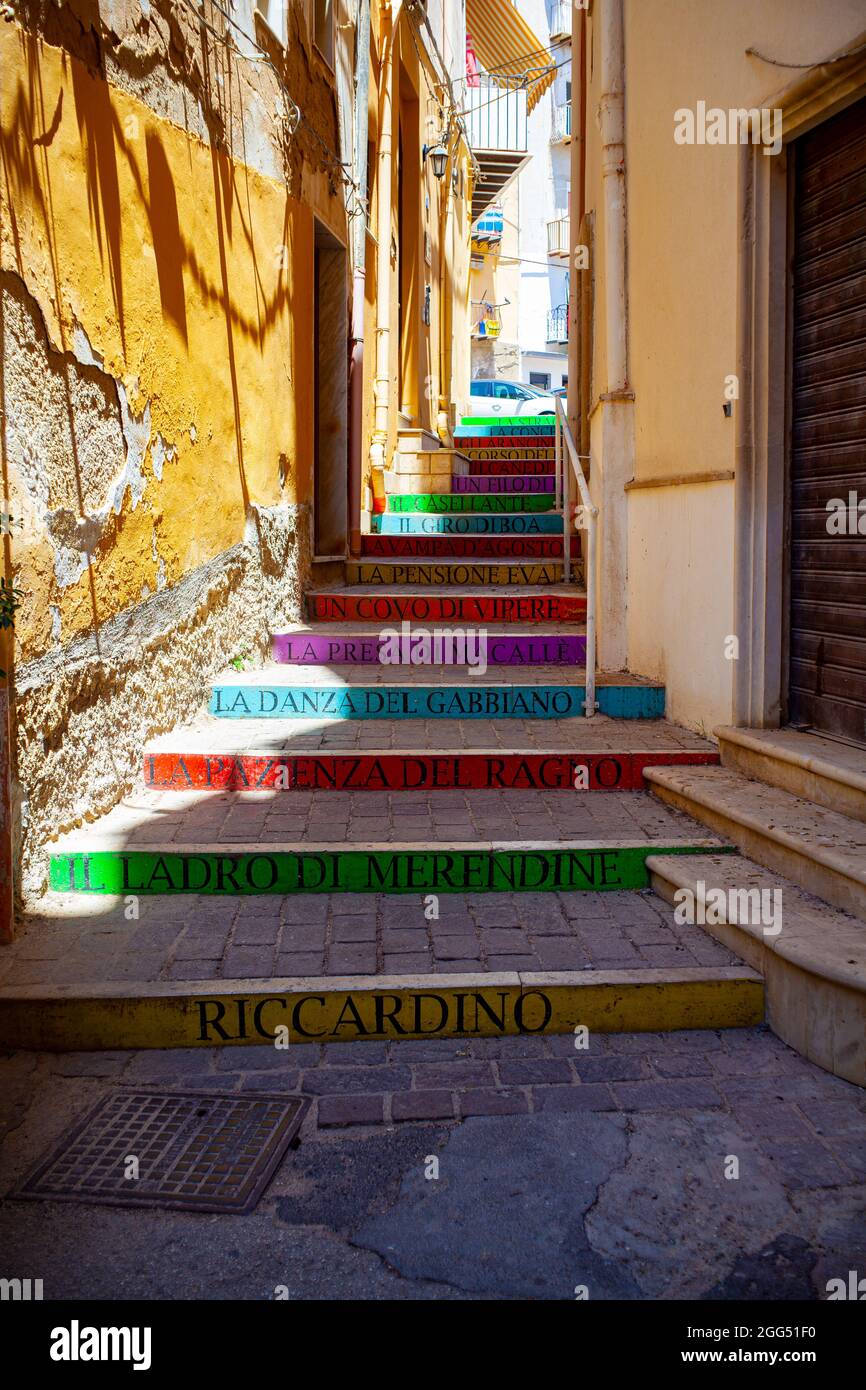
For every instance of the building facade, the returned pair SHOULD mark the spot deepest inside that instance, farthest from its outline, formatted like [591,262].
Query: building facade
[718,353]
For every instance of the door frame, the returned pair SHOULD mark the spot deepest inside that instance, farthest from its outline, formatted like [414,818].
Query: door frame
[764,369]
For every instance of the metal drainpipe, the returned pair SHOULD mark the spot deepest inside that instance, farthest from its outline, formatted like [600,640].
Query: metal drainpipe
[379,445]
[359,279]
[613,176]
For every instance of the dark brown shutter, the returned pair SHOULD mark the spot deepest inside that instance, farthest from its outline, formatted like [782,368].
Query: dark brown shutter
[827,685]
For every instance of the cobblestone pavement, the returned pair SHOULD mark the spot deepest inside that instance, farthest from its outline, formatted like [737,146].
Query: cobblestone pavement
[356,934]
[557,1168]
[599,735]
[357,818]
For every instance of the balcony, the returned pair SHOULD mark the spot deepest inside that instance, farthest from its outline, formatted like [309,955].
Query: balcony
[496,122]
[560,20]
[559,237]
[557,324]
[560,131]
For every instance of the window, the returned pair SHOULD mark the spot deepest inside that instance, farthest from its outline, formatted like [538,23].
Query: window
[480,388]
[541,379]
[502,391]
[323,30]
[273,12]
[565,381]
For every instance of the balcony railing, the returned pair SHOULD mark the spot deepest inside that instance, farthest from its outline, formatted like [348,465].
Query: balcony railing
[557,324]
[560,19]
[496,116]
[559,236]
[561,127]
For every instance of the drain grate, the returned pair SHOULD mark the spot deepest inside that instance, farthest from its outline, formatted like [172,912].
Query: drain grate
[194,1150]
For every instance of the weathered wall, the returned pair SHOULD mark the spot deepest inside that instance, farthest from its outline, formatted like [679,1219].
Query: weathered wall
[156,231]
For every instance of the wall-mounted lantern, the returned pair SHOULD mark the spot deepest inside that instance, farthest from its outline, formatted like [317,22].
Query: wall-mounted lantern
[438,156]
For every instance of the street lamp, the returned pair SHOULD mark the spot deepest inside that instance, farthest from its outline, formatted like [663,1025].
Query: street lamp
[439,157]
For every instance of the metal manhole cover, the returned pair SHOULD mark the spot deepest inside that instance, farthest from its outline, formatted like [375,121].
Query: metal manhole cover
[195,1150]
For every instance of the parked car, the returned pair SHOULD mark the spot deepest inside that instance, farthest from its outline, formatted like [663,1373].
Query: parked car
[509,398]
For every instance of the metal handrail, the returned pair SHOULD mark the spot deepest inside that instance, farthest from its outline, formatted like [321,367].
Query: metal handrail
[585,519]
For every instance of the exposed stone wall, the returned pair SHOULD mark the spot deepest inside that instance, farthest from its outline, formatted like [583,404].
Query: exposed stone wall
[157,194]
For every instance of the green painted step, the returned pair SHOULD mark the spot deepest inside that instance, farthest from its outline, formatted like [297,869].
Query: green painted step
[255,870]
[491,502]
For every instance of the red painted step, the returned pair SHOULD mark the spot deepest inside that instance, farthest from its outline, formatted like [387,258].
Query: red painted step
[338,606]
[462,547]
[408,771]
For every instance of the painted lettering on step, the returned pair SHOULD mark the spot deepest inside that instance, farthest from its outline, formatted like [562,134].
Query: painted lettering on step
[381,870]
[477,547]
[346,1015]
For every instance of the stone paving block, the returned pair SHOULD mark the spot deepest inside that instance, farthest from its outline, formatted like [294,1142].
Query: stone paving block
[492,1103]
[611,1068]
[407,964]
[504,942]
[546,1071]
[422,1105]
[804,1163]
[352,960]
[337,1111]
[328,1081]
[457,948]
[581,1097]
[680,1064]
[353,929]
[290,965]
[455,1075]
[773,1121]
[666,1095]
[248,962]
[356,1054]
[837,1117]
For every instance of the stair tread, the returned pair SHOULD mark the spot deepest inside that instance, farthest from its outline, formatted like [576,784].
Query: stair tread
[454,590]
[530,737]
[828,757]
[815,935]
[827,835]
[367,629]
[363,676]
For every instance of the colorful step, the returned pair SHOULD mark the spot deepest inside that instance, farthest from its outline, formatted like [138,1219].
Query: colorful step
[237,1013]
[425,647]
[488,500]
[505,463]
[462,547]
[517,436]
[458,573]
[266,701]
[517,483]
[404,771]
[477,524]
[341,606]
[519,426]
[248,871]
[526,446]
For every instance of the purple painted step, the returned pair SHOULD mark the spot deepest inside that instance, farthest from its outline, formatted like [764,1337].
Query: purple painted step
[518,482]
[369,649]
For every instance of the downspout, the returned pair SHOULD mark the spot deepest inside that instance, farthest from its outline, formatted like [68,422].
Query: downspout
[613,178]
[443,421]
[359,281]
[379,444]
[578,409]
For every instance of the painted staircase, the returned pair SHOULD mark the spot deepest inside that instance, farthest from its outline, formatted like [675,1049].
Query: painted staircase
[370,766]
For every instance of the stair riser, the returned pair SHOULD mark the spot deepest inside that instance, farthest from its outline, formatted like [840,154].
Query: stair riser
[526,485]
[812,784]
[487,463]
[316,649]
[606,772]
[503,429]
[462,547]
[396,1008]
[432,702]
[488,575]
[813,875]
[240,873]
[392,608]
[545,524]
[483,501]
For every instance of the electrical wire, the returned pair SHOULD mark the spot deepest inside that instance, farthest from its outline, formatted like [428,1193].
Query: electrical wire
[817,63]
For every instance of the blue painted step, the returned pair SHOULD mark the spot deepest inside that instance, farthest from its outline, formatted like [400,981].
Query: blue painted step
[469,701]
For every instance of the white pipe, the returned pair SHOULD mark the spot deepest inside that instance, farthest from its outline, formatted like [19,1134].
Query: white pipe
[588,522]
[612,108]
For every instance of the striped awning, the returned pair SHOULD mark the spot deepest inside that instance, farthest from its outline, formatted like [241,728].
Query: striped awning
[507,47]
